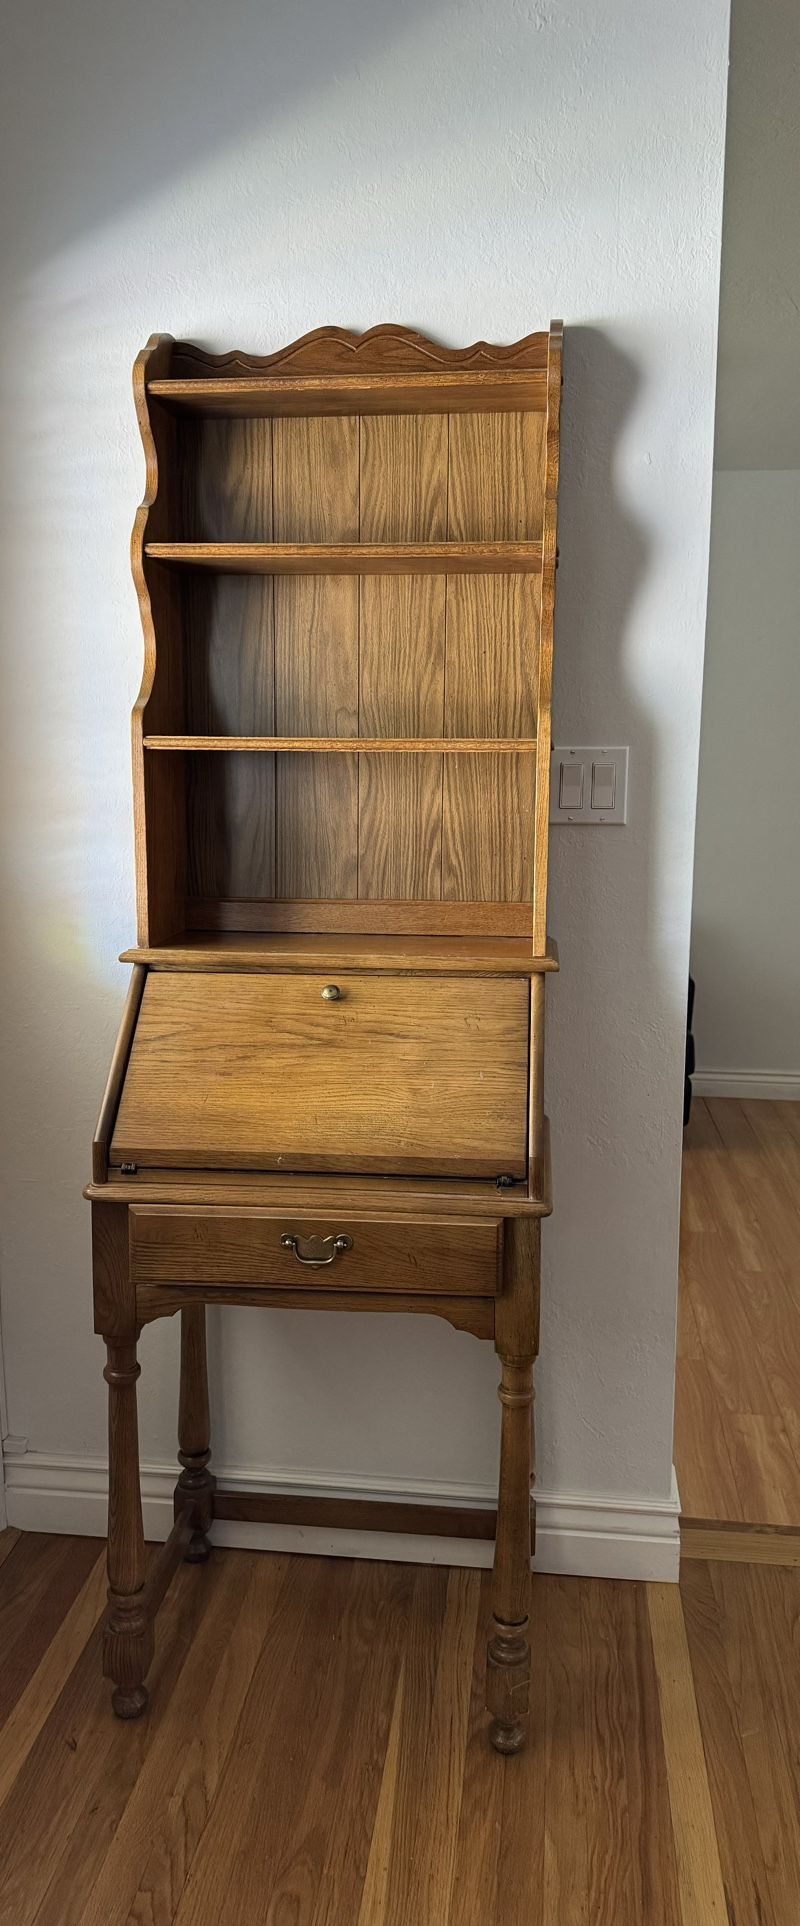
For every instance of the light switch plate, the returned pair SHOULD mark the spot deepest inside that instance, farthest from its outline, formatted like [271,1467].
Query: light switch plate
[589,785]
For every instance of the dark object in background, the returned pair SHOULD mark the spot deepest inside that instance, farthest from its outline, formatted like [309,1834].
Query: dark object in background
[687,1082]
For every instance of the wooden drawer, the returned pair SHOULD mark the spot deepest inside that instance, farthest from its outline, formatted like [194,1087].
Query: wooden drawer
[413,1075]
[207,1244]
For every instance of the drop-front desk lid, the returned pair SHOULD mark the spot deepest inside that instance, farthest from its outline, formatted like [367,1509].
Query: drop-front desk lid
[413,1075]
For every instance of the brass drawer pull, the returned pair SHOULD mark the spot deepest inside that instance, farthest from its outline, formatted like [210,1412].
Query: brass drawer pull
[316,1245]
[331,993]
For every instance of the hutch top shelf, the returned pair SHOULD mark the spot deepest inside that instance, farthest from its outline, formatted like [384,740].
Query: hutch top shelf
[345,562]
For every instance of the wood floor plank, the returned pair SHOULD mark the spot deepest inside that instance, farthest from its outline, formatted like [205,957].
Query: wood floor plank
[521,1845]
[60,1814]
[263,1786]
[145,1869]
[78,1869]
[688,1340]
[361,1743]
[774,1318]
[731,1544]
[425,1628]
[631,1853]
[727,1339]
[737,1421]
[375,1890]
[700,1883]
[611,1895]
[474,1896]
[789,1115]
[757,1659]
[327,1848]
[654,1870]
[722,1172]
[443,1777]
[34,1705]
[565,1883]
[747,1174]
[764,1466]
[781,1144]
[745,1877]
[704,1469]
[9,1537]
[40,1582]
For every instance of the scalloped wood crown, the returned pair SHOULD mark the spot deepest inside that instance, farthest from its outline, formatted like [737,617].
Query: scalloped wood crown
[384,350]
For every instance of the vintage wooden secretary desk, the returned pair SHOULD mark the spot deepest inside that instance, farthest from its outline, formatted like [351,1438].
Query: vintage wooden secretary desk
[327,1088]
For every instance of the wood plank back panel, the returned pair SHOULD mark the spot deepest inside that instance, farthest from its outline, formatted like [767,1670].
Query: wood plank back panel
[496,482]
[496,477]
[398,1074]
[316,481]
[226,480]
[402,640]
[226,485]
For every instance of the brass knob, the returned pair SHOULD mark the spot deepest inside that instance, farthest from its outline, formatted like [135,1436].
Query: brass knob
[331,993]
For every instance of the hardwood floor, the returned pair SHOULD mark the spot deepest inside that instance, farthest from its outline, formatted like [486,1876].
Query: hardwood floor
[316,1751]
[737,1394]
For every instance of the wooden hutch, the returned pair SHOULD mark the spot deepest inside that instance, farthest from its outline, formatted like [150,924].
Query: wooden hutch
[327,1088]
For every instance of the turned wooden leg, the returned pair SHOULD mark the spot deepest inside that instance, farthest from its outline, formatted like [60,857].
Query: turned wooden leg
[509,1653]
[195,1486]
[128,1632]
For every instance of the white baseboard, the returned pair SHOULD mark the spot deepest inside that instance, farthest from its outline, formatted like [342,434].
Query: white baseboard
[577,1534]
[774,1085]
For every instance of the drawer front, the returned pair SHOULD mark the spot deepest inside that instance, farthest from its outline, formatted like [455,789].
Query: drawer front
[173,1244]
[413,1075]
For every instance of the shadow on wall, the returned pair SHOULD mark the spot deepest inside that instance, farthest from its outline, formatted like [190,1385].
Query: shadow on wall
[166,87]
[83,143]
[604,557]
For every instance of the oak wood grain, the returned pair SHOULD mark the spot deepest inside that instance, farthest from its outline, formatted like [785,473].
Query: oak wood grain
[322,745]
[180,1245]
[351,394]
[394,1075]
[316,660]
[496,476]
[372,941]
[351,557]
[494,946]
[387,347]
[403,483]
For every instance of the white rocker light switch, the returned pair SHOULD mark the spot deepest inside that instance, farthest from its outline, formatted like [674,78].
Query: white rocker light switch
[589,785]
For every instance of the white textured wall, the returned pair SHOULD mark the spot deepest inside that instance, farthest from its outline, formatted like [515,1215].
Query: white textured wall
[238,175]
[746,918]
[746,921]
